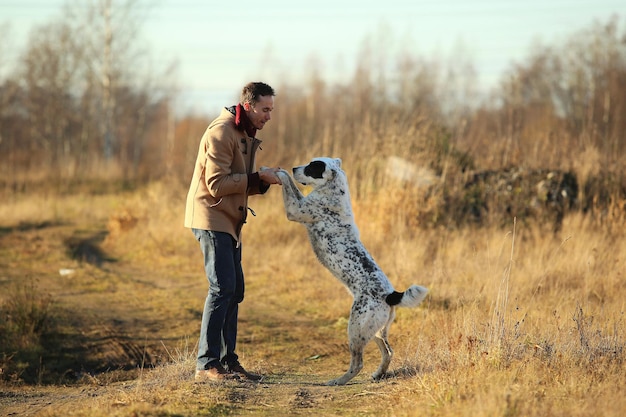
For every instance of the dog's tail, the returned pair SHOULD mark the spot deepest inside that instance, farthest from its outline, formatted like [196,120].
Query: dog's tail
[412,297]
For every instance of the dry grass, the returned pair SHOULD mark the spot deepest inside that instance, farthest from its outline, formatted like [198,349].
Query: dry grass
[519,322]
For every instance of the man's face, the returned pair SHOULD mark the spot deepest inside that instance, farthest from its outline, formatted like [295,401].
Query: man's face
[260,112]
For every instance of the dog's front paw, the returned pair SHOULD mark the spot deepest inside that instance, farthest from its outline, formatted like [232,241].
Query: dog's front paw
[282,174]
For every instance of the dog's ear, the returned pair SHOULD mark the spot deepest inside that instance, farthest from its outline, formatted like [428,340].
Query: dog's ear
[338,161]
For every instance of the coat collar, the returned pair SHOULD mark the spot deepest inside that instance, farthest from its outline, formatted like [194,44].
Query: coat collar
[242,122]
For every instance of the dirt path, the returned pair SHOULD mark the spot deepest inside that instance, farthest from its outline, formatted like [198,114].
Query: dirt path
[125,335]
[107,314]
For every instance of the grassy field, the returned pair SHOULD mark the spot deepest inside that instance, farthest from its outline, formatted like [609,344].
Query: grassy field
[109,288]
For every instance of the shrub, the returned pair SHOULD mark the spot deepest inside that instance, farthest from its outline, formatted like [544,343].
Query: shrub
[25,317]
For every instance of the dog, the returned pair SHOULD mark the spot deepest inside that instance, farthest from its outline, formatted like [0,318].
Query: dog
[326,212]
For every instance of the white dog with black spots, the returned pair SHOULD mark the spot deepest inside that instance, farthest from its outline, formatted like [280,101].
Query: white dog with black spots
[326,212]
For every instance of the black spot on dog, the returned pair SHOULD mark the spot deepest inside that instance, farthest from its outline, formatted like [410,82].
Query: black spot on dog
[362,258]
[315,169]
[394,298]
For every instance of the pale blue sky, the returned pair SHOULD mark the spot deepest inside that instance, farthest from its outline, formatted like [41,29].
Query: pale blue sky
[220,45]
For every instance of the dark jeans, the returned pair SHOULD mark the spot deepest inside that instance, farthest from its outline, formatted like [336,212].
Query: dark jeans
[222,264]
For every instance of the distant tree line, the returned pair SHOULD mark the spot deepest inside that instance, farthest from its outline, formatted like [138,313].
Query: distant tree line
[85,101]
[84,98]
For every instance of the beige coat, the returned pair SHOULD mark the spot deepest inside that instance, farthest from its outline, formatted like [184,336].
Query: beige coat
[218,195]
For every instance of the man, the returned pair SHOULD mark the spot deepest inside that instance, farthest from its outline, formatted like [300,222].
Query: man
[217,206]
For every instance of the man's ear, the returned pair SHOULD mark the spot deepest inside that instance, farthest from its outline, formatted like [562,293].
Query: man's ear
[246,106]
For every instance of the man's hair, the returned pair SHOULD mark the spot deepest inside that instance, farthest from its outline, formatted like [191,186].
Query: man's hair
[253,91]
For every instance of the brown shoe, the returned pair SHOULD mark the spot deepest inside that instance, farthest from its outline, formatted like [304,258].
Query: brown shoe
[215,373]
[237,369]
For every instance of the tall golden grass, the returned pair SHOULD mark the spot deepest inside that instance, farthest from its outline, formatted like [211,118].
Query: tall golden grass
[519,320]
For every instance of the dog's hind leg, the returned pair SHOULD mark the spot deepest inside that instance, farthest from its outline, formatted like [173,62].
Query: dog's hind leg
[385,349]
[356,363]
[360,331]
[365,321]
[387,354]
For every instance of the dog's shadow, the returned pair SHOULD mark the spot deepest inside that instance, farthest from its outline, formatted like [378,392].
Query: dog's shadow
[396,375]
[303,380]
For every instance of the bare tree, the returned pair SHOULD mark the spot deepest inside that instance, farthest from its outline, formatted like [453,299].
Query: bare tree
[109,33]
[48,74]
[582,82]
[87,90]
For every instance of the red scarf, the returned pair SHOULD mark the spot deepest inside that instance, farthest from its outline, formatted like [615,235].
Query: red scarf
[242,122]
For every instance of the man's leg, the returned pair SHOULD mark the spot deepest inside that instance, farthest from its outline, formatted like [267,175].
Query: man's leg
[232,315]
[230,359]
[221,274]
